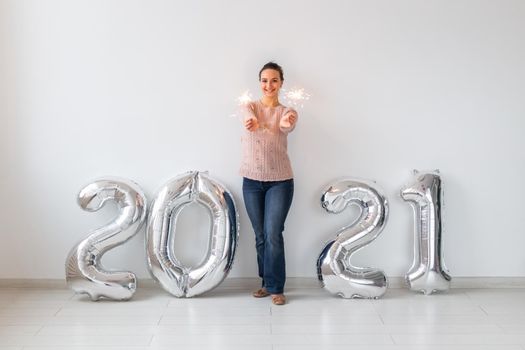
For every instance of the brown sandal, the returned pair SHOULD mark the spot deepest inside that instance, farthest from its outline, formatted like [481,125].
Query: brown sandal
[278,299]
[261,293]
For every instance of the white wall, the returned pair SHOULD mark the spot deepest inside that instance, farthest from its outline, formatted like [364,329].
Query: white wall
[145,90]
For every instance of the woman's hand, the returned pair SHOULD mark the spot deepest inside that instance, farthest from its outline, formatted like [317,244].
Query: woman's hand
[251,124]
[292,118]
[289,120]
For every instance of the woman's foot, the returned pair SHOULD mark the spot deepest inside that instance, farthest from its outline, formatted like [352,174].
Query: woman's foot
[261,293]
[278,299]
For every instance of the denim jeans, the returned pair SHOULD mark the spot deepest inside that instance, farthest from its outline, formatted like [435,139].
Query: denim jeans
[267,204]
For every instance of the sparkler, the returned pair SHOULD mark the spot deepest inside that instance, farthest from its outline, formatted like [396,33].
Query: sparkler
[242,101]
[296,97]
[245,98]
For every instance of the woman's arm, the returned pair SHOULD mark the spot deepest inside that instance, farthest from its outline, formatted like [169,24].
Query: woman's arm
[288,120]
[250,120]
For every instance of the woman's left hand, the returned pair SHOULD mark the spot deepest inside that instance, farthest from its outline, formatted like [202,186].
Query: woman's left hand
[292,118]
[289,120]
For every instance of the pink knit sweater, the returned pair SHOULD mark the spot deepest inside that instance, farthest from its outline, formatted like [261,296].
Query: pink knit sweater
[265,156]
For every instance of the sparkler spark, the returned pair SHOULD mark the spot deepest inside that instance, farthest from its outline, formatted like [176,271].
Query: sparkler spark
[245,98]
[242,101]
[296,97]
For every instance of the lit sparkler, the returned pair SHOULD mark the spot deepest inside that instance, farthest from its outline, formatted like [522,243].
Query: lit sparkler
[242,101]
[245,98]
[296,97]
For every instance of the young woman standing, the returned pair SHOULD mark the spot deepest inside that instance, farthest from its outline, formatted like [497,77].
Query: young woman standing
[268,179]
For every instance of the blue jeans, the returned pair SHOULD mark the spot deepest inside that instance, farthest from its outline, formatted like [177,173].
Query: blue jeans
[267,204]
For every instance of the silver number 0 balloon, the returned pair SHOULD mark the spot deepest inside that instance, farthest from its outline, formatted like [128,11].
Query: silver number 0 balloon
[427,273]
[84,273]
[334,268]
[177,279]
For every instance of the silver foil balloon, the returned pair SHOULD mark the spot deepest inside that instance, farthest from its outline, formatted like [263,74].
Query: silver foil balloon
[84,273]
[428,272]
[334,268]
[188,188]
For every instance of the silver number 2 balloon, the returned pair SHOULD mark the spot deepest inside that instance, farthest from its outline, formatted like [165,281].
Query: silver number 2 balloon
[177,279]
[427,273]
[334,268]
[84,273]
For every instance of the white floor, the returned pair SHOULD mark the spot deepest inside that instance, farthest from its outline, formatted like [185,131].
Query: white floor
[231,319]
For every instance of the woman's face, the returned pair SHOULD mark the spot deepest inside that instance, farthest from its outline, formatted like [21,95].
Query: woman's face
[270,83]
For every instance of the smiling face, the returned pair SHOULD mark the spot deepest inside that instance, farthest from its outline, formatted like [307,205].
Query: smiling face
[271,83]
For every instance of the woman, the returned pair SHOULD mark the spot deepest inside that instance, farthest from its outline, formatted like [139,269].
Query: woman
[268,179]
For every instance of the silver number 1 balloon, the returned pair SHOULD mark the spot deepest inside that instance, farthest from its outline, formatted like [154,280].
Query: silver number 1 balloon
[84,273]
[428,273]
[177,279]
[334,268]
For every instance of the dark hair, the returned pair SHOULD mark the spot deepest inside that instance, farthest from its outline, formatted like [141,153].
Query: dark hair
[274,66]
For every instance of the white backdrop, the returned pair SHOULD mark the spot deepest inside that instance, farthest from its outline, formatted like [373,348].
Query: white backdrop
[145,90]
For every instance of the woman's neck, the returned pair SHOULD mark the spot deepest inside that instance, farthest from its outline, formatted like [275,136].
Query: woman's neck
[270,101]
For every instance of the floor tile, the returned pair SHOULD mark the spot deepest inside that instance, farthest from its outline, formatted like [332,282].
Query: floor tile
[72,340]
[456,339]
[19,330]
[40,319]
[401,347]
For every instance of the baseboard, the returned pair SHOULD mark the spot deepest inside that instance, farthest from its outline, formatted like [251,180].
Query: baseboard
[291,282]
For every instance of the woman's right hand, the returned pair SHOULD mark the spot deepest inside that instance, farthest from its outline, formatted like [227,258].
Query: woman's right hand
[251,124]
